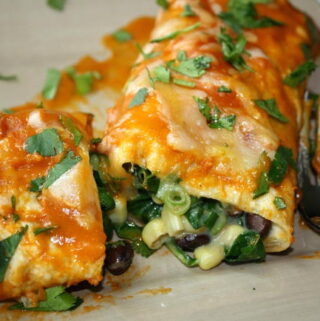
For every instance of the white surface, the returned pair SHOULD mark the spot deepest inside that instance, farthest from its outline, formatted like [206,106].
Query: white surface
[34,38]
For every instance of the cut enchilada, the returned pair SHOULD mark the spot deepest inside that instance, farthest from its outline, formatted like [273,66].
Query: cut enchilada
[51,223]
[214,114]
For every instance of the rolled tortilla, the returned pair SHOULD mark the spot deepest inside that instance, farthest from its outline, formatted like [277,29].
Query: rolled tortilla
[63,241]
[165,131]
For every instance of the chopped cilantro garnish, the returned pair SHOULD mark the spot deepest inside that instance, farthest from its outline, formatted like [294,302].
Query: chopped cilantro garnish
[84,81]
[15,217]
[213,117]
[95,141]
[300,74]
[184,83]
[8,247]
[145,55]
[233,49]
[8,77]
[51,84]
[36,184]
[271,107]
[306,49]
[7,111]
[46,143]
[243,14]
[313,30]
[13,200]
[187,11]
[139,97]
[68,123]
[122,36]
[279,203]
[162,73]
[263,186]
[192,67]
[164,4]
[177,33]
[224,89]
[60,168]
[57,299]
[182,55]
[40,230]
[56,4]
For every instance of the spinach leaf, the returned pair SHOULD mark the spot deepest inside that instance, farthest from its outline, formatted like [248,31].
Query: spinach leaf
[46,143]
[271,107]
[203,212]
[183,257]
[143,207]
[69,124]
[57,299]
[143,178]
[300,74]
[247,247]
[131,231]
[51,84]
[8,247]
[139,97]
[233,50]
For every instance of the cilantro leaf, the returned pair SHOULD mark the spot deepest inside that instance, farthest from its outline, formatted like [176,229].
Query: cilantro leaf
[106,199]
[213,118]
[270,106]
[8,247]
[60,168]
[177,33]
[36,184]
[300,74]
[306,49]
[187,11]
[145,55]
[96,140]
[313,30]
[164,4]
[139,97]
[56,4]
[279,203]
[7,111]
[247,247]
[162,74]
[8,77]
[233,49]
[140,247]
[46,143]
[184,83]
[224,89]
[278,168]
[68,123]
[192,67]
[40,230]
[51,84]
[263,185]
[84,81]
[182,55]
[122,36]
[57,299]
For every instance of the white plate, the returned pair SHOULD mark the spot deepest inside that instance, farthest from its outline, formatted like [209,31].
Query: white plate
[34,38]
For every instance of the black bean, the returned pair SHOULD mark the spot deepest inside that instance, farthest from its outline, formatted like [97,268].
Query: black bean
[258,223]
[119,257]
[190,242]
